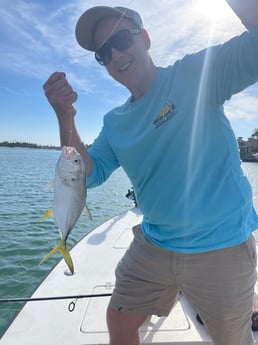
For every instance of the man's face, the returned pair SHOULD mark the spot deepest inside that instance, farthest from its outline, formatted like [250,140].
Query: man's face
[130,65]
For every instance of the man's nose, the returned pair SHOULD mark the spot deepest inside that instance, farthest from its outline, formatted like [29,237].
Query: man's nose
[116,54]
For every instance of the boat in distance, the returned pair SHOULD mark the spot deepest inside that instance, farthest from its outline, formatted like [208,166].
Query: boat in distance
[71,309]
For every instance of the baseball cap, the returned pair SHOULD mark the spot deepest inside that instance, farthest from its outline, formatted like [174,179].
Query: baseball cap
[87,22]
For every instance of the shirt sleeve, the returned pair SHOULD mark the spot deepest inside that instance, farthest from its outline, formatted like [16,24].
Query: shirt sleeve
[235,66]
[104,161]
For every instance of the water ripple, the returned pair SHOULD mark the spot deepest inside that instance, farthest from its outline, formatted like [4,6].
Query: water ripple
[25,238]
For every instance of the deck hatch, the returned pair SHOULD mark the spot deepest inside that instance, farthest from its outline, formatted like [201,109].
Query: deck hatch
[96,307]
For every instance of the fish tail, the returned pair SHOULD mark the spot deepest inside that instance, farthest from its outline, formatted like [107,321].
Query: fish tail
[61,247]
[67,258]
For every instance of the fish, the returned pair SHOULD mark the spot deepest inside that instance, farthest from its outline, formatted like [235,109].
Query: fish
[69,199]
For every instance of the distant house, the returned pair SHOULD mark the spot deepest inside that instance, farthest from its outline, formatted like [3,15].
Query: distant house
[248,148]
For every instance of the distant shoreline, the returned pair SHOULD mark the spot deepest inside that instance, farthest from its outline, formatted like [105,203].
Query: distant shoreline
[13,144]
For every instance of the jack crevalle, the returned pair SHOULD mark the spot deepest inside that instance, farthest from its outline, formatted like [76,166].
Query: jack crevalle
[69,199]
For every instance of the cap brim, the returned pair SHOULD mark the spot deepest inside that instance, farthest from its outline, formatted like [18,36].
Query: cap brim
[87,22]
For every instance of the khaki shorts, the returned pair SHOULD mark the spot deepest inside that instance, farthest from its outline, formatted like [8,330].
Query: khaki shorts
[219,284]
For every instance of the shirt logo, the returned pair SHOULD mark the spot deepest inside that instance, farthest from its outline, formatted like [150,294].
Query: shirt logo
[166,113]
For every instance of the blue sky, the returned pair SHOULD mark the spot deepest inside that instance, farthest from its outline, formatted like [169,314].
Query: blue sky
[37,38]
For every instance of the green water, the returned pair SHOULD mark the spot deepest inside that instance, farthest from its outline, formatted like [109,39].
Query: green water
[24,238]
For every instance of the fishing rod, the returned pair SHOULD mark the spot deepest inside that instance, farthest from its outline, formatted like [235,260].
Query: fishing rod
[39,299]
[71,305]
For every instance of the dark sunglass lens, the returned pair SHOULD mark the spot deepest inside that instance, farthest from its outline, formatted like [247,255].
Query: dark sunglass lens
[98,58]
[104,54]
[122,40]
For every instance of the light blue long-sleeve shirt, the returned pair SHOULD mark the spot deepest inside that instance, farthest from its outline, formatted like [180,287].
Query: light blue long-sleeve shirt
[179,151]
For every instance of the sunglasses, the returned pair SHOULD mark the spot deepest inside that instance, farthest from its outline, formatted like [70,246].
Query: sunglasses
[122,40]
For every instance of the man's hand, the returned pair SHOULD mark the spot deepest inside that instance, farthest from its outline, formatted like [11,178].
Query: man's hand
[60,95]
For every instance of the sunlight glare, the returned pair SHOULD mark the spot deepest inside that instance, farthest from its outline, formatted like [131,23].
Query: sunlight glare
[213,9]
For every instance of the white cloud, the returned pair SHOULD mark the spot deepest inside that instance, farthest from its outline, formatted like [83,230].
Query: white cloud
[37,38]
[244,105]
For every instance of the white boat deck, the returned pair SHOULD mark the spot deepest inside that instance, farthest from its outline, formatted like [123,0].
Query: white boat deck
[95,257]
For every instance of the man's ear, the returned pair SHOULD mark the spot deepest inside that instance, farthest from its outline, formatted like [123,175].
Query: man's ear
[146,39]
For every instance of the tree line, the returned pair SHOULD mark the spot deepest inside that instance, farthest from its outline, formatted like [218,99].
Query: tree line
[27,145]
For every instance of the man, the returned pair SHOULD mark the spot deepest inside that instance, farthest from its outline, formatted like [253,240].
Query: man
[178,149]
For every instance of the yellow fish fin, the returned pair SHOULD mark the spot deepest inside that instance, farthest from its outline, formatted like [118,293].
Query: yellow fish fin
[67,258]
[48,214]
[61,247]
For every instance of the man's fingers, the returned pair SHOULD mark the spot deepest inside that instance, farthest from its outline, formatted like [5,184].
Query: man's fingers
[69,98]
[58,90]
[53,79]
